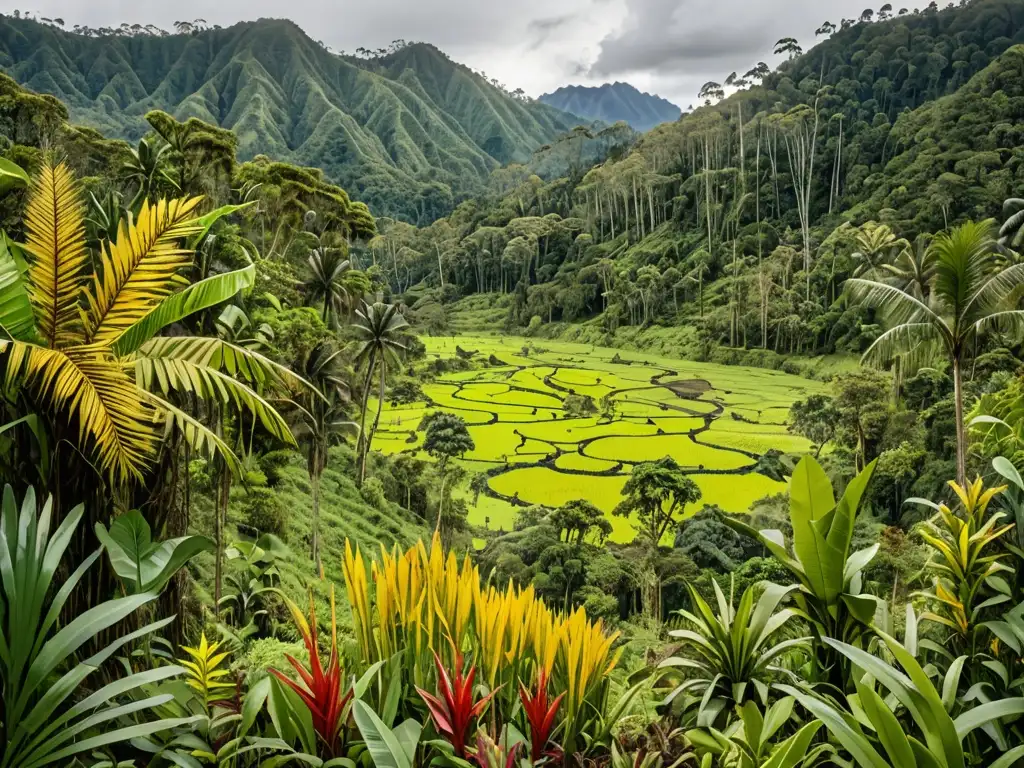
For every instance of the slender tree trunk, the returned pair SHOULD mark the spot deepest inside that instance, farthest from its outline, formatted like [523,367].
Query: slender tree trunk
[961,431]
[361,443]
[314,485]
[223,497]
[376,420]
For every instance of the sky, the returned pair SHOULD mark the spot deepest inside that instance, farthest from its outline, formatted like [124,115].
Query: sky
[668,47]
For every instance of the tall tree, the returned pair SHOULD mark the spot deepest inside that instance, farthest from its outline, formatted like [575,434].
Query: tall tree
[378,330]
[322,420]
[446,438]
[970,296]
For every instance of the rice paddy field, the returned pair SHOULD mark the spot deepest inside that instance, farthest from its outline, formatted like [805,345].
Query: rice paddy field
[714,420]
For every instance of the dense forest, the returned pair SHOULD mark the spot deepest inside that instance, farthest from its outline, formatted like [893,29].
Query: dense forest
[207,558]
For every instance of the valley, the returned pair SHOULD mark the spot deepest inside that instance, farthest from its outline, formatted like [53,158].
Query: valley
[362,411]
[716,421]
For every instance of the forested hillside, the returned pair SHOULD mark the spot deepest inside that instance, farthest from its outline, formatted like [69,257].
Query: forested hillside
[741,221]
[613,102]
[407,130]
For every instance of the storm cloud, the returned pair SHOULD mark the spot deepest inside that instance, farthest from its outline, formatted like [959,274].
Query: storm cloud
[664,46]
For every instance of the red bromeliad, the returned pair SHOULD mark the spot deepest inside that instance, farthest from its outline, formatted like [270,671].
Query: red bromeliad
[539,714]
[453,709]
[321,685]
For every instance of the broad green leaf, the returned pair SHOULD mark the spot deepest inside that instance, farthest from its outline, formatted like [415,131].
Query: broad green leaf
[810,498]
[381,741]
[197,297]
[12,175]
[17,320]
[1005,467]
[987,713]
[846,733]
[207,221]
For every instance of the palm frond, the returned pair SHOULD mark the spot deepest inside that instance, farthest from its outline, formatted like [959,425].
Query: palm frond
[182,375]
[197,297]
[200,437]
[94,389]
[996,294]
[55,228]
[896,305]
[916,343]
[961,262]
[1011,320]
[141,267]
[224,356]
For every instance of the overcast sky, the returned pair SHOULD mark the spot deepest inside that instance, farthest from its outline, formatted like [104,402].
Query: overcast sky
[669,47]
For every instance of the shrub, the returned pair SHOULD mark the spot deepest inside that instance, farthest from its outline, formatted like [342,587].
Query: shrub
[373,493]
[265,512]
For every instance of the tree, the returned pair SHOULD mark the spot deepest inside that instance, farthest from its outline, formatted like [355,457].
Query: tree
[321,420]
[816,418]
[378,330]
[861,400]
[657,492]
[327,284]
[446,438]
[578,518]
[81,343]
[971,295]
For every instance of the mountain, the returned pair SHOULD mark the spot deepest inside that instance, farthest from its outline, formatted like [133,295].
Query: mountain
[409,133]
[613,102]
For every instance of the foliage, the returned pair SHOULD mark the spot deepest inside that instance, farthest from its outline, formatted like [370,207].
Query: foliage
[44,720]
[829,575]
[729,653]
[144,565]
[455,706]
[657,493]
[321,686]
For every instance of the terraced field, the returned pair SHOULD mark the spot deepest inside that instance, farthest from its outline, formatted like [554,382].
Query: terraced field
[714,420]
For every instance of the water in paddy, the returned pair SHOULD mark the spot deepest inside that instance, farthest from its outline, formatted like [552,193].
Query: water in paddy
[714,420]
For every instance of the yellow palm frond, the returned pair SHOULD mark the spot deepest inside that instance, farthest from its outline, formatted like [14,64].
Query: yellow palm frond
[174,375]
[204,673]
[142,267]
[200,437]
[55,228]
[95,390]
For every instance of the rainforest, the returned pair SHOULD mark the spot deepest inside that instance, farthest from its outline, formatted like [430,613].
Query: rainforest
[362,411]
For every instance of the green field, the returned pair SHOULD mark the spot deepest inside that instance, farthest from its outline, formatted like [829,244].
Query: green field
[714,420]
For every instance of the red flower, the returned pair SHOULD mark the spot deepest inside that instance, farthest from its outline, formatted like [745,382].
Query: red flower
[321,691]
[453,709]
[539,714]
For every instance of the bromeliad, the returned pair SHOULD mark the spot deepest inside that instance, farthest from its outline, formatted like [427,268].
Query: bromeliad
[321,686]
[454,709]
[539,714]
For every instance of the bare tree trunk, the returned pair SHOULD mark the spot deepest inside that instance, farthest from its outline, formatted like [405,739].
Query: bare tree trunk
[961,431]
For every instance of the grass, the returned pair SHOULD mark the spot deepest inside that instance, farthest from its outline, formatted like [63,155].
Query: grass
[710,418]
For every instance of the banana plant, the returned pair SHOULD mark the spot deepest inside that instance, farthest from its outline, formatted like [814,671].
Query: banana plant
[873,729]
[829,575]
[749,741]
[729,652]
[48,716]
[144,565]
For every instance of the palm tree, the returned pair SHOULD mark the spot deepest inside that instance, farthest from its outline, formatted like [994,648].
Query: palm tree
[876,245]
[327,283]
[968,297]
[377,328]
[914,269]
[146,167]
[78,334]
[322,419]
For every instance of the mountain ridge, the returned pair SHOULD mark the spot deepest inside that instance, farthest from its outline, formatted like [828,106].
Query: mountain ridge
[411,132]
[612,103]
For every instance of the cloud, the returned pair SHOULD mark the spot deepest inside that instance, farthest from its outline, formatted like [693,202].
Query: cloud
[542,29]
